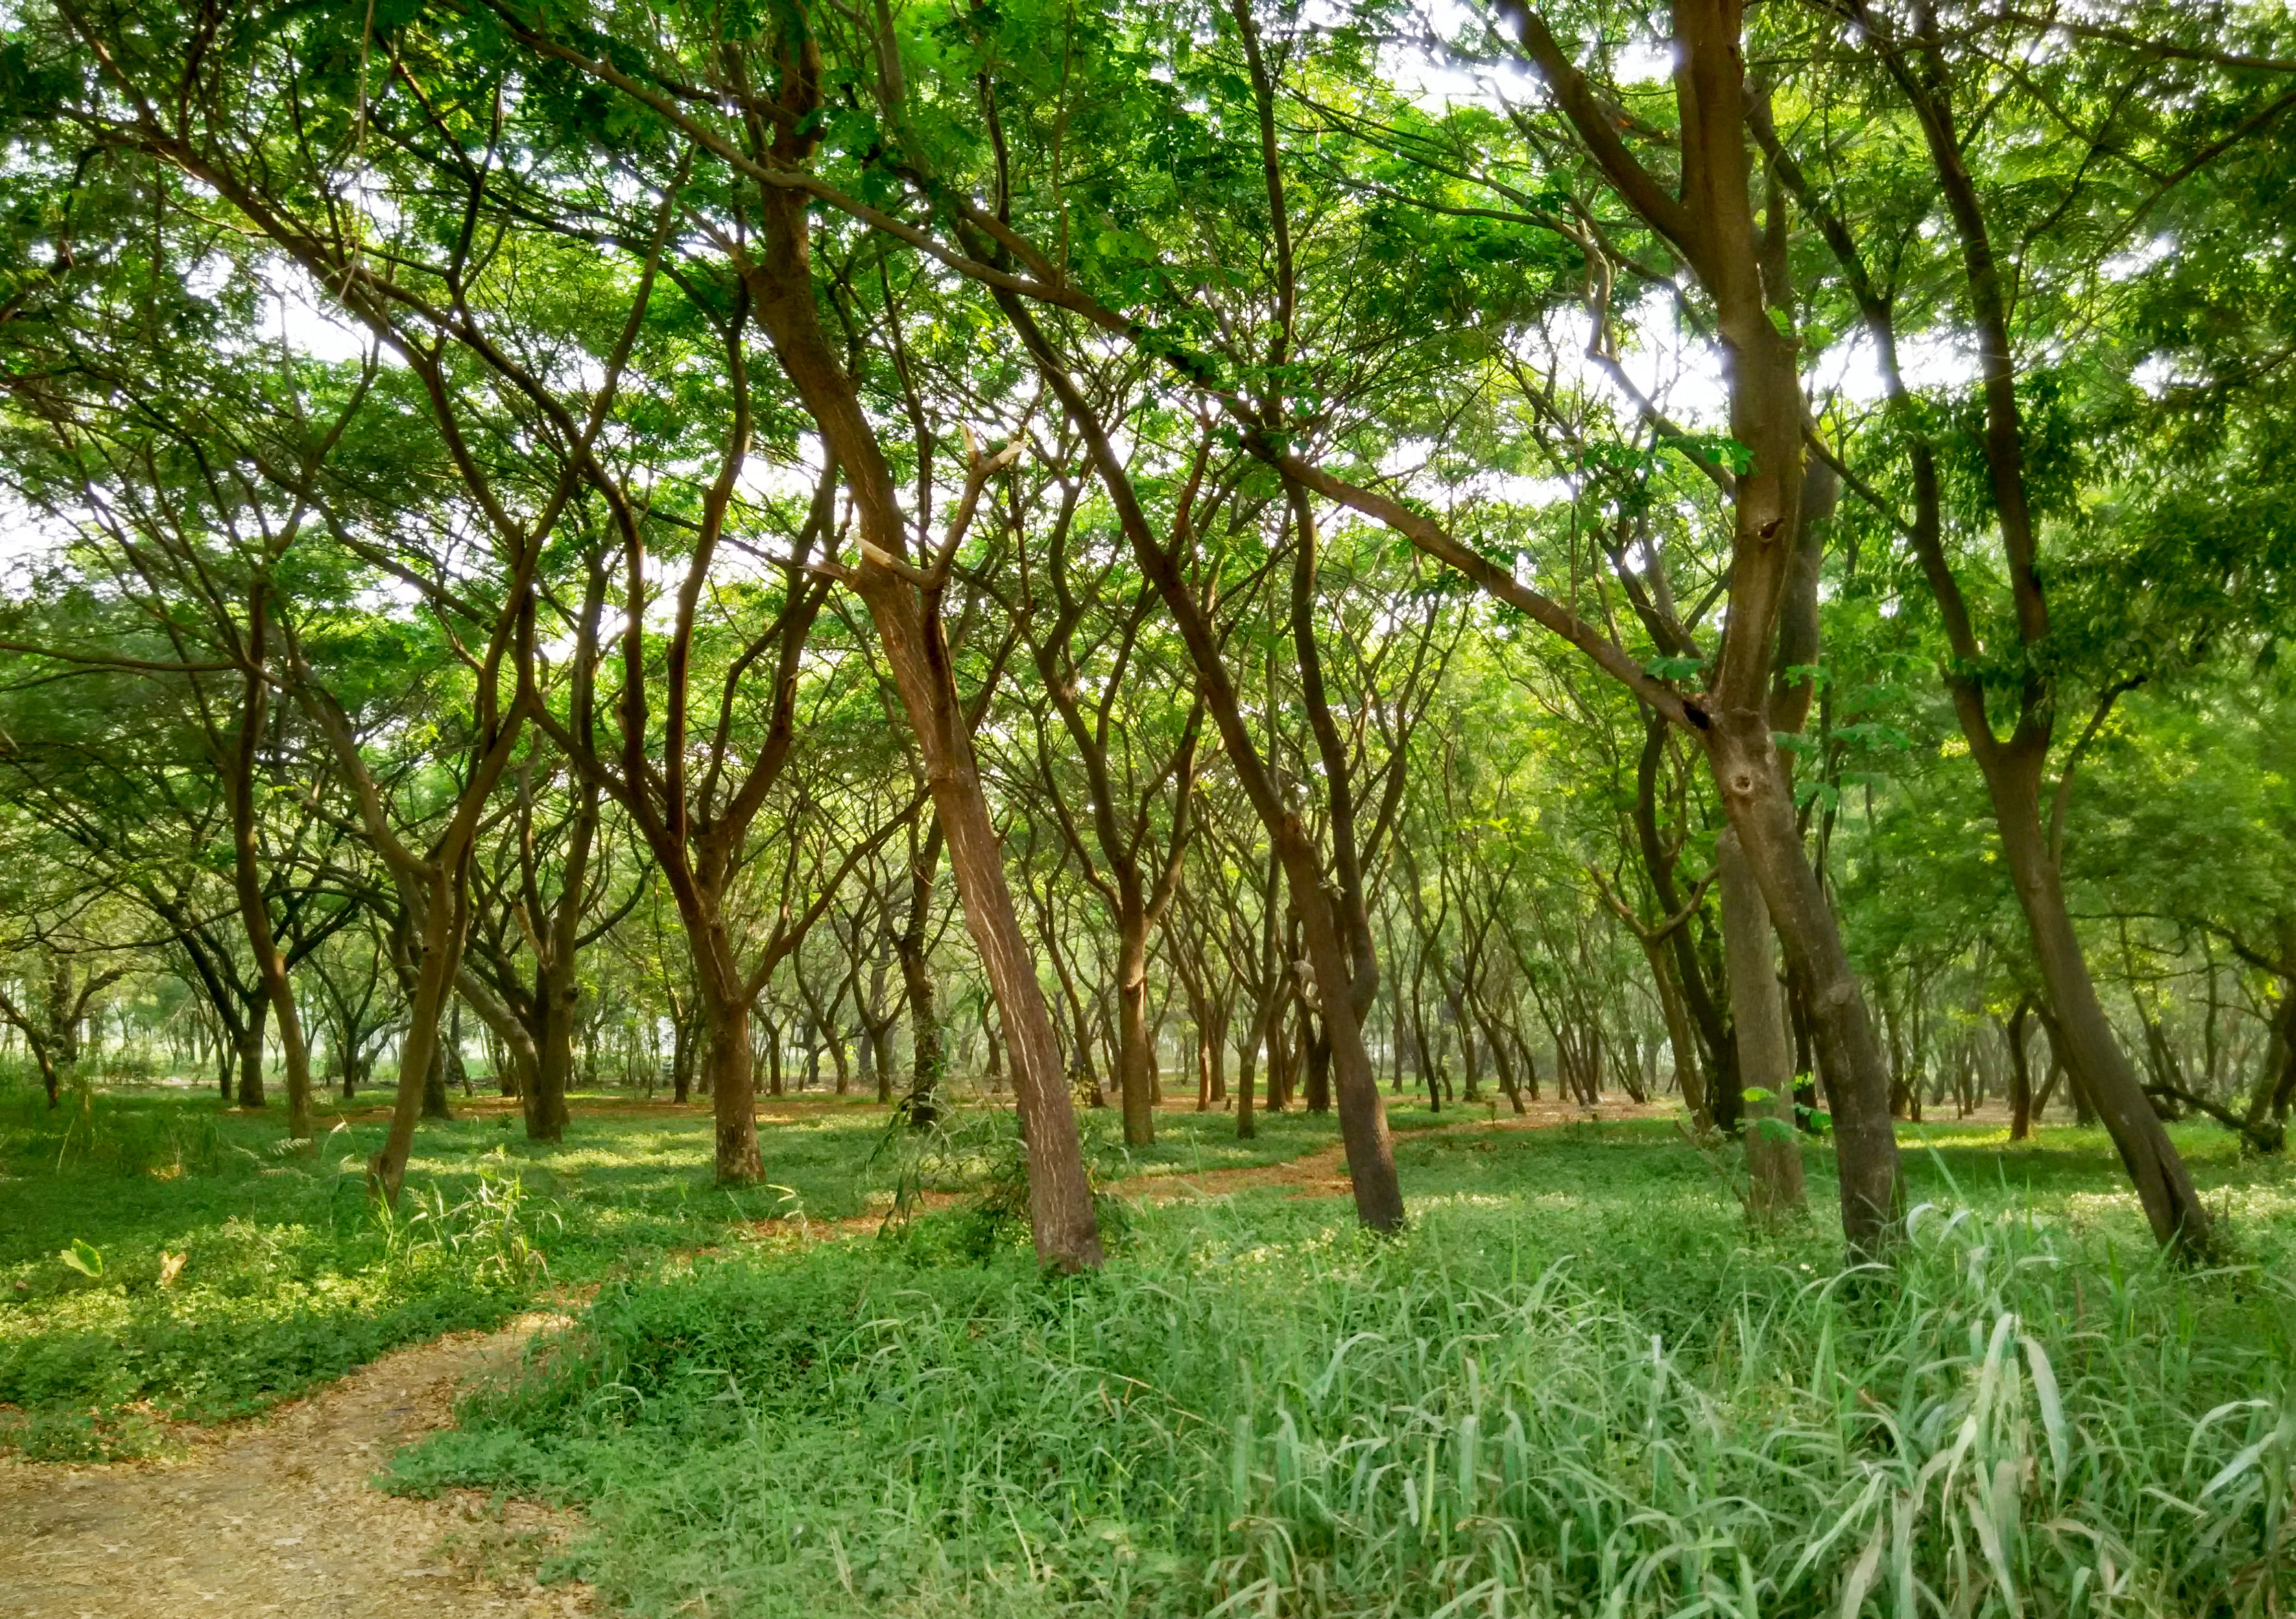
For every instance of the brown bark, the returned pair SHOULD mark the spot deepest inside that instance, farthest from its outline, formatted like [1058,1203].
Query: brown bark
[1061,1216]
[247,1055]
[733,1075]
[247,874]
[435,944]
[2094,1054]
[1363,1119]
[928,1062]
[1711,224]
[520,1057]
[2020,1071]
[2013,769]
[1850,1056]
[1765,1056]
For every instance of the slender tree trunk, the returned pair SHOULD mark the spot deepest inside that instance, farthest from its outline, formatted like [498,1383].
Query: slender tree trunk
[1135,1060]
[1679,1039]
[1857,1075]
[2101,1069]
[681,1056]
[927,1061]
[2267,1102]
[247,877]
[1247,1064]
[1061,1216]
[1363,1120]
[2021,1073]
[50,1080]
[435,936]
[1765,1057]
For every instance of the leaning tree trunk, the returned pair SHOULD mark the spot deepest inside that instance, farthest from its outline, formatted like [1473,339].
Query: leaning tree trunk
[514,1040]
[1744,762]
[436,944]
[1363,1118]
[1060,1212]
[1679,1038]
[2100,1070]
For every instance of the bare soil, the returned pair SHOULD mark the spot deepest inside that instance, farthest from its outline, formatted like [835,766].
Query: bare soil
[278,1516]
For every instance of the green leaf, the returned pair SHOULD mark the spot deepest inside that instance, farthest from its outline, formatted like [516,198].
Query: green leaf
[83,1257]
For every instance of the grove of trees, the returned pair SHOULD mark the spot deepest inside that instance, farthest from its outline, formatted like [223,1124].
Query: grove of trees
[1243,555]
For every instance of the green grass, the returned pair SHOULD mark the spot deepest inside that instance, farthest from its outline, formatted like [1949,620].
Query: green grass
[1575,1386]
[282,1276]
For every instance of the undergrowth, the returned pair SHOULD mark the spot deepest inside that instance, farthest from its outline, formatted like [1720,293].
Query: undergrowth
[165,1262]
[1578,1395]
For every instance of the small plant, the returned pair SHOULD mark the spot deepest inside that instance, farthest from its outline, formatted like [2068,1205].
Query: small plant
[484,1233]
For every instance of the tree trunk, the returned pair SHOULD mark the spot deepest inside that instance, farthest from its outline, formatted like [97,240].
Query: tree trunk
[1856,1076]
[2100,1068]
[545,1099]
[446,1059]
[2020,1071]
[732,1101]
[2269,1101]
[50,1080]
[928,1059]
[1765,1057]
[681,1057]
[1363,1120]
[1061,1214]
[1134,1062]
[1247,1064]
[435,939]
[1680,1040]
[247,1051]
[1319,1067]
[247,879]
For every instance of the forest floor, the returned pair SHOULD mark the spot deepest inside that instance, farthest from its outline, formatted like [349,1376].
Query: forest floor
[278,1515]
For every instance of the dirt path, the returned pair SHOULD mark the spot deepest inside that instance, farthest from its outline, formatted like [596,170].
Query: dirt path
[276,1516]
